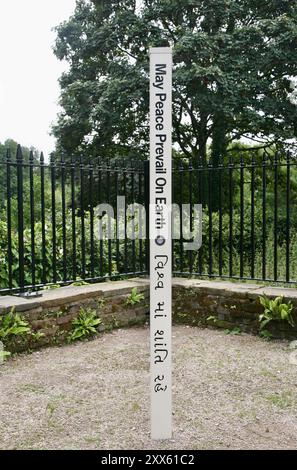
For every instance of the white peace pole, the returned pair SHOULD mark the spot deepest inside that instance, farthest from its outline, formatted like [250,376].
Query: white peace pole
[160,240]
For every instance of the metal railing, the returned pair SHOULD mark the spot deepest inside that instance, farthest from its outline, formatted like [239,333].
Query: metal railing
[249,217]
[48,219]
[48,224]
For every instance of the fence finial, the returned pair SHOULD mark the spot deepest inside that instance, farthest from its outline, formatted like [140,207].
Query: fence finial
[31,156]
[19,153]
[41,158]
[8,155]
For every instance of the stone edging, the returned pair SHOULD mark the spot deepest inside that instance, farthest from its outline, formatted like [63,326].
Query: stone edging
[195,301]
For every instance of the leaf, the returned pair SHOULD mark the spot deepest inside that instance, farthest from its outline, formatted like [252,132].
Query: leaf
[4,354]
[264,323]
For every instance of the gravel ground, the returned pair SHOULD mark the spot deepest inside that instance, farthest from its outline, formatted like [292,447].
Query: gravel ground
[236,392]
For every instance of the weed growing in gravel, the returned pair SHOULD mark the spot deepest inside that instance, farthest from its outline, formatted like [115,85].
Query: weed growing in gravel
[234,331]
[281,400]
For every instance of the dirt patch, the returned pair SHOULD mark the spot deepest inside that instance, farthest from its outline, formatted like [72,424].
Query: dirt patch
[236,392]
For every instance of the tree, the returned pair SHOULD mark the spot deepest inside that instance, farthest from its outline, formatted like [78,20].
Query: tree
[11,146]
[233,63]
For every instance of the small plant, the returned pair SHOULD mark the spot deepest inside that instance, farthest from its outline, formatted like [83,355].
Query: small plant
[13,324]
[3,354]
[36,335]
[274,309]
[265,334]
[85,324]
[52,286]
[212,318]
[79,283]
[233,331]
[134,298]
[100,302]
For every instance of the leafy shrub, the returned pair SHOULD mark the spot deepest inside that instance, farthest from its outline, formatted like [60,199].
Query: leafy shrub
[85,324]
[274,309]
[12,325]
[134,297]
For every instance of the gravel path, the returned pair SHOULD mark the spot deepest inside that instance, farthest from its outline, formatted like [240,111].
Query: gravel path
[236,392]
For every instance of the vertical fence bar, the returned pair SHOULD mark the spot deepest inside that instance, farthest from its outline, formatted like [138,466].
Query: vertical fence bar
[275,267]
[19,160]
[82,219]
[220,169]
[8,217]
[200,192]
[253,218]
[241,214]
[42,201]
[54,238]
[133,219]
[99,197]
[116,178]
[230,216]
[91,208]
[32,217]
[140,221]
[264,216]
[191,211]
[125,222]
[181,240]
[288,162]
[109,222]
[64,247]
[73,219]
[210,196]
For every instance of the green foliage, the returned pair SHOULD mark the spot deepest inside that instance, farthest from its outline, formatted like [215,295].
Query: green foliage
[274,309]
[232,63]
[36,335]
[12,146]
[85,324]
[134,297]
[52,286]
[13,324]
[79,283]
[212,319]
[265,334]
[4,355]
[233,331]
[46,264]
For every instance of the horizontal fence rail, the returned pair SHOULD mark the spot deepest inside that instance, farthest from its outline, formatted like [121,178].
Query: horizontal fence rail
[49,223]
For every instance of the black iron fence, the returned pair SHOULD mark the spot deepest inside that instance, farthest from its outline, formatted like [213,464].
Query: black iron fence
[249,216]
[49,219]
[49,226]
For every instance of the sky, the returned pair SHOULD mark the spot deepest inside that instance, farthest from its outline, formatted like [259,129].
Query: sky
[29,71]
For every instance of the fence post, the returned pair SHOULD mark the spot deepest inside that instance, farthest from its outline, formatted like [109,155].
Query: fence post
[8,217]
[146,165]
[19,161]
[32,216]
